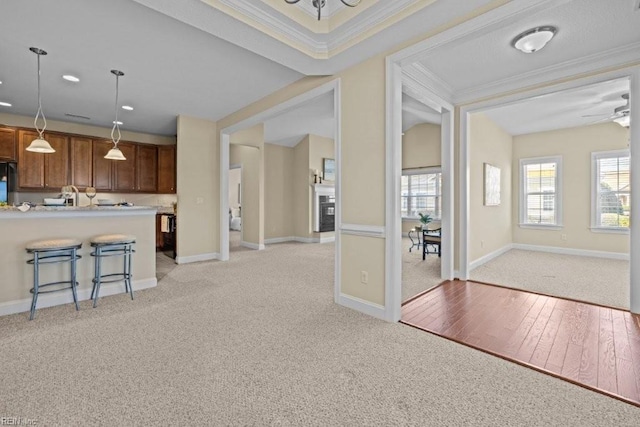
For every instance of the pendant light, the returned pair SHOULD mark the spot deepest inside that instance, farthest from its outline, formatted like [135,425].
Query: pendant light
[115,153]
[39,145]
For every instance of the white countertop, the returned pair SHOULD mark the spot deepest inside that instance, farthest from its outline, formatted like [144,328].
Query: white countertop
[75,211]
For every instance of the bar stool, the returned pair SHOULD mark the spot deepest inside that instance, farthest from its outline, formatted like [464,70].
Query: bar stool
[108,245]
[52,252]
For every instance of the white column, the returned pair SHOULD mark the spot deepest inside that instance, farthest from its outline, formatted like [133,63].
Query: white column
[634,146]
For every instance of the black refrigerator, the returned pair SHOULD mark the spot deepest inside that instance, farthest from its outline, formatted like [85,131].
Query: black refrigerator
[8,182]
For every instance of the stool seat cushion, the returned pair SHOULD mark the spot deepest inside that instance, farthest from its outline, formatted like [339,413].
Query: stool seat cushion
[53,244]
[113,239]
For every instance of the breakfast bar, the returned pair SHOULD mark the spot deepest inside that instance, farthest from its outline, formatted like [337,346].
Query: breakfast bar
[18,228]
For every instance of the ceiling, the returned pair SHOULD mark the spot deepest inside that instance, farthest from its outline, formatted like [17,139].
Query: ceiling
[415,112]
[592,35]
[565,109]
[314,117]
[170,68]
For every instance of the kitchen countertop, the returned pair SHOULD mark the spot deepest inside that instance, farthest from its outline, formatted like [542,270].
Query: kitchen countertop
[75,211]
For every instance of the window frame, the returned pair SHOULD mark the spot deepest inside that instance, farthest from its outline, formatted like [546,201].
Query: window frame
[523,192]
[595,156]
[421,171]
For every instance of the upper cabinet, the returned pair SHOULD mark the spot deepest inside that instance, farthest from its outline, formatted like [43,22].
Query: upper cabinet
[102,168]
[125,170]
[43,171]
[147,168]
[7,144]
[167,169]
[81,162]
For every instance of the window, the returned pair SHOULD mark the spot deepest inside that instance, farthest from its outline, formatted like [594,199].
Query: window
[610,190]
[421,192]
[540,192]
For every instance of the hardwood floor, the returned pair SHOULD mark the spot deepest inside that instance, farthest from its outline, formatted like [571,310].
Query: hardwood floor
[589,345]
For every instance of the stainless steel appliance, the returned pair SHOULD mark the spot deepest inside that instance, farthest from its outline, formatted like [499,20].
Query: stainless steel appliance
[8,182]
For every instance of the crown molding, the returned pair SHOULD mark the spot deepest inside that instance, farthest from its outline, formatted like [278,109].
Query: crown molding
[417,78]
[617,57]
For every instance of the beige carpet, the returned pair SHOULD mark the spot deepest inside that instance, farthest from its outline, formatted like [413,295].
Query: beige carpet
[418,275]
[596,280]
[258,341]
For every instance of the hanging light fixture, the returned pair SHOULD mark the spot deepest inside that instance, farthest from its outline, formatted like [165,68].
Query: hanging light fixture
[39,145]
[319,4]
[115,153]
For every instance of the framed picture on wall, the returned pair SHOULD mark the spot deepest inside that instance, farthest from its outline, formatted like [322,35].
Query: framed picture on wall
[329,169]
[491,185]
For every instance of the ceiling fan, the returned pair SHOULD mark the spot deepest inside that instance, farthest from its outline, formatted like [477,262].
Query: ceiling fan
[620,114]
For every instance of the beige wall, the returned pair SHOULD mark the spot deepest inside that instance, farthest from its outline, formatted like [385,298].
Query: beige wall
[235,184]
[421,147]
[575,146]
[247,149]
[82,129]
[198,170]
[278,191]
[490,227]
[17,275]
[301,189]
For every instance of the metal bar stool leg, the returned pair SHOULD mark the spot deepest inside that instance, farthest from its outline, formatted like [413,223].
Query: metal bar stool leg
[129,252]
[98,276]
[36,280]
[73,277]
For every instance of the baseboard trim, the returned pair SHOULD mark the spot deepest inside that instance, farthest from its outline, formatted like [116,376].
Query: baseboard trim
[250,245]
[570,251]
[50,300]
[300,239]
[491,255]
[197,258]
[366,307]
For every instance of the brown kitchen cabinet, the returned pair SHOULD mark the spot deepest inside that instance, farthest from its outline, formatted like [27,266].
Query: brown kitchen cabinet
[40,170]
[167,169]
[7,144]
[147,168]
[81,162]
[102,168]
[125,170]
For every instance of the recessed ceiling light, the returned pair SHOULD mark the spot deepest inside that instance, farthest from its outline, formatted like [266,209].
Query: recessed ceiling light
[5,104]
[0,82]
[119,122]
[127,107]
[534,39]
[70,78]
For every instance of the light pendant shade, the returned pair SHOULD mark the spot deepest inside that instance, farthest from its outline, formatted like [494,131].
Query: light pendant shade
[534,39]
[115,154]
[40,146]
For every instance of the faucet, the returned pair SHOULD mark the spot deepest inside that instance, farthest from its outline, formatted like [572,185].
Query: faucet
[70,189]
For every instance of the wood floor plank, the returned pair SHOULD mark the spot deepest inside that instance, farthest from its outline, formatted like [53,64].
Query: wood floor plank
[543,349]
[607,377]
[596,347]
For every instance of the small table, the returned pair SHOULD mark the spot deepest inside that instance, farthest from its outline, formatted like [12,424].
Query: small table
[418,241]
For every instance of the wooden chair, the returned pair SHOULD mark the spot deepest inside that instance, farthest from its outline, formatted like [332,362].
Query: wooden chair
[431,239]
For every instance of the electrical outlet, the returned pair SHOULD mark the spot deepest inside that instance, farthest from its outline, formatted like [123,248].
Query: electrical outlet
[364,277]
[563,237]
[199,200]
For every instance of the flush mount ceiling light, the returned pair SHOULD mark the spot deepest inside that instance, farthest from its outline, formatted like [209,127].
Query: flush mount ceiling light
[319,4]
[39,145]
[534,39]
[115,153]
[70,78]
